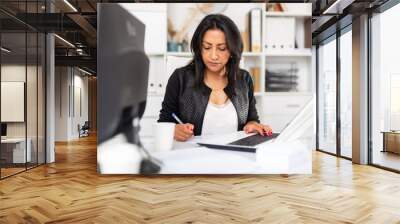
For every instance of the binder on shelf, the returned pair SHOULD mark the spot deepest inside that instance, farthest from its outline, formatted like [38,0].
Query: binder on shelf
[255,17]
[307,33]
[245,39]
[280,33]
[255,75]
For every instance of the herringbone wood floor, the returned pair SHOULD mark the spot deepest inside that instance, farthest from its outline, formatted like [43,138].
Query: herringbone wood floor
[70,191]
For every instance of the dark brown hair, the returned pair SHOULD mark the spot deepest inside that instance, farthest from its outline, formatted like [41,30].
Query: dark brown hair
[233,41]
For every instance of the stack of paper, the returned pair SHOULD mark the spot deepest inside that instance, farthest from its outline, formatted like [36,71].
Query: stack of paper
[284,157]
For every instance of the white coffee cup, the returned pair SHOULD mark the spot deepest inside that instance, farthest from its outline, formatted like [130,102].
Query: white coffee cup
[163,133]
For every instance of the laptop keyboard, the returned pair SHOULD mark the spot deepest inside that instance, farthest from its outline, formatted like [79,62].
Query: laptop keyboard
[229,147]
[254,140]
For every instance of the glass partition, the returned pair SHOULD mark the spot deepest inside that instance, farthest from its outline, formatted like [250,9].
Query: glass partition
[31,99]
[327,97]
[385,89]
[13,108]
[22,88]
[346,94]
[41,111]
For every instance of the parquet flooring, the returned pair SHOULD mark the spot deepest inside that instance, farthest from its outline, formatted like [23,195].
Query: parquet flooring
[70,191]
[10,171]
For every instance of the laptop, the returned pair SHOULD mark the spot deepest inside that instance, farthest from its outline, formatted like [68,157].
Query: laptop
[246,144]
[296,128]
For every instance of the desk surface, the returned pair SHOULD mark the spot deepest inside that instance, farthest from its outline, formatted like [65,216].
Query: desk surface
[390,132]
[275,158]
[13,140]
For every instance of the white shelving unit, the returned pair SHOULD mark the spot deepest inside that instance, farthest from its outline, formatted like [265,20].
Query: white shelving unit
[287,14]
[180,54]
[252,54]
[162,62]
[305,52]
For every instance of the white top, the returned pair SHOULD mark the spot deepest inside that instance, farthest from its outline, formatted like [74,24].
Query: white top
[220,119]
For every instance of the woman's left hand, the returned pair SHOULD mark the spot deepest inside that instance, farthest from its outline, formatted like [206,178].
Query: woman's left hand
[253,126]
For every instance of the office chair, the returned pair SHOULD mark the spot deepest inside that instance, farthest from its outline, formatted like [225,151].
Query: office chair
[84,130]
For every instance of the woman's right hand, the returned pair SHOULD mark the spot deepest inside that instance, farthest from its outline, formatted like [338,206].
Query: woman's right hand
[183,132]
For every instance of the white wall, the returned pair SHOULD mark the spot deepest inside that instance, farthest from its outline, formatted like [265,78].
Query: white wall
[60,114]
[79,117]
[14,73]
[70,83]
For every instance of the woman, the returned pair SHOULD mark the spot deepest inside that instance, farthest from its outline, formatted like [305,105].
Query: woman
[211,95]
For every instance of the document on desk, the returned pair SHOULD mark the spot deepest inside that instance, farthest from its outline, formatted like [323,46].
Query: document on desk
[201,160]
[192,142]
[270,158]
[219,139]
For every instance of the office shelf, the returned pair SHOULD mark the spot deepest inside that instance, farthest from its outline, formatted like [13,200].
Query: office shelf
[252,54]
[289,52]
[262,94]
[155,94]
[274,52]
[286,14]
[180,54]
[189,54]
[155,54]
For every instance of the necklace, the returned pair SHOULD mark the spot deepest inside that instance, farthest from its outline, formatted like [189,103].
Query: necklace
[214,86]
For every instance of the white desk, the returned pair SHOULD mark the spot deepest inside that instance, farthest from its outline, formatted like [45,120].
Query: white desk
[18,151]
[275,158]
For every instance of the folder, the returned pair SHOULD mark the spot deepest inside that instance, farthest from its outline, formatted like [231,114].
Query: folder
[255,75]
[245,39]
[280,33]
[255,18]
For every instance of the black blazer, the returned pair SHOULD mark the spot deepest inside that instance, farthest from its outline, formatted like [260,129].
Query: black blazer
[189,103]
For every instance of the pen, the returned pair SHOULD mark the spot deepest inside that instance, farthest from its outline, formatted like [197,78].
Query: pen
[177,118]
